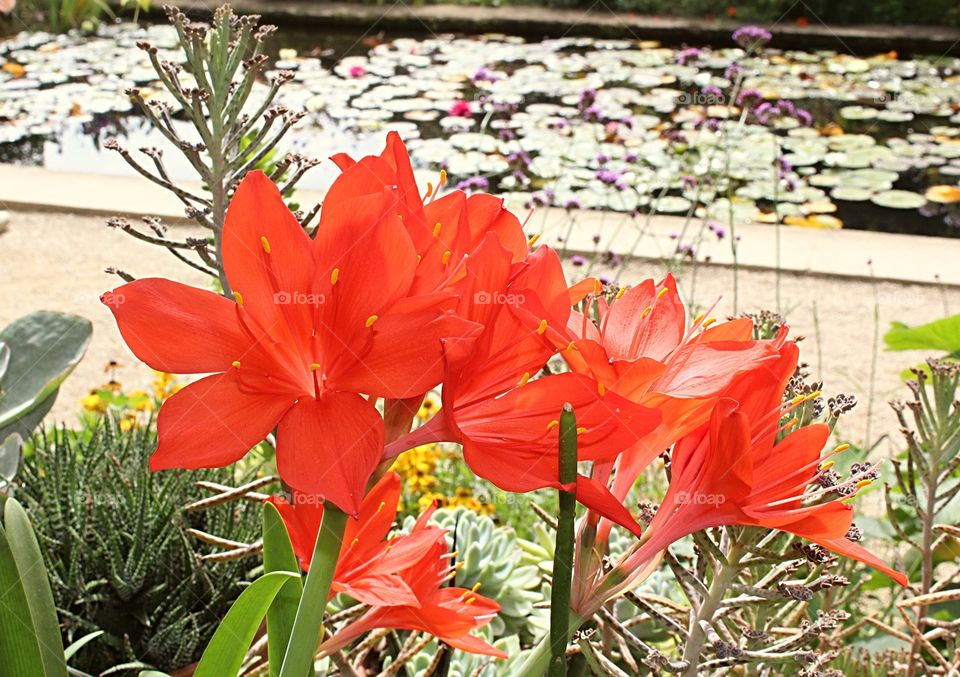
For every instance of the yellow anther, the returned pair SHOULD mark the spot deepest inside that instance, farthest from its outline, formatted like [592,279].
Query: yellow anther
[542,328]
[533,240]
[602,389]
[238,297]
[436,229]
[646,311]
[429,188]
[827,465]
[662,292]
[863,483]
[236,364]
[380,507]
[314,366]
[443,176]
[699,317]
[354,542]
[371,320]
[476,586]
[814,395]
[524,378]
[581,430]
[265,243]
[842,447]
[552,424]
[334,276]
[571,346]
[792,422]
[798,399]
[707,322]
[621,291]
[445,259]
[470,601]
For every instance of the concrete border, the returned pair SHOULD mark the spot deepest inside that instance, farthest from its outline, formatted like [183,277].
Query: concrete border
[894,257]
[597,21]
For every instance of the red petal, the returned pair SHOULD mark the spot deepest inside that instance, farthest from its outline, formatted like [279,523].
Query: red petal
[213,423]
[598,498]
[276,287]
[330,447]
[176,328]
[847,548]
[364,535]
[631,331]
[403,355]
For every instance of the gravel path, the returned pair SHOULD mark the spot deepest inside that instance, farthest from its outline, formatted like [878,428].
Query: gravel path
[55,261]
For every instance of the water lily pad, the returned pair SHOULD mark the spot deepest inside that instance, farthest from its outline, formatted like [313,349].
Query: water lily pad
[899,199]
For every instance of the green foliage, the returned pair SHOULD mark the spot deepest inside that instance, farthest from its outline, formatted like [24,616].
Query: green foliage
[30,642]
[85,15]
[37,352]
[942,335]
[113,537]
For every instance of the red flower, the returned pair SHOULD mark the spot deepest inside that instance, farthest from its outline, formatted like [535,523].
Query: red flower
[735,470]
[444,230]
[448,613]
[641,349]
[314,324]
[461,109]
[368,567]
[508,423]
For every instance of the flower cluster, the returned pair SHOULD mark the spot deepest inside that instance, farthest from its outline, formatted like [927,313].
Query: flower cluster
[335,341]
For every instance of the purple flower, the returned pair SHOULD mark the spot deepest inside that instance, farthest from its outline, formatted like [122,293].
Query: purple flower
[688,54]
[587,98]
[689,182]
[749,97]
[609,176]
[572,203]
[519,157]
[687,250]
[578,260]
[631,156]
[592,114]
[803,117]
[733,70]
[484,74]
[751,37]
[474,183]
[602,159]
[717,229]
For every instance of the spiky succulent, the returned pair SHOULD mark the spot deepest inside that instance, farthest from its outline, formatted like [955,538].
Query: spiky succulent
[114,541]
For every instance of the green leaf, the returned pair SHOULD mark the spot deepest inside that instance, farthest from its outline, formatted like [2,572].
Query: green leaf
[71,650]
[942,334]
[44,348]
[224,654]
[278,555]
[37,607]
[25,425]
[19,650]
[11,453]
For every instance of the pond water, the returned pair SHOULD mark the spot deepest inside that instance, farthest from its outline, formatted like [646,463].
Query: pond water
[580,123]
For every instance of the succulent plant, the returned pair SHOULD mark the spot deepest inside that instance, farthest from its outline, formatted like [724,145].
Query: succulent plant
[461,664]
[37,352]
[113,536]
[493,557]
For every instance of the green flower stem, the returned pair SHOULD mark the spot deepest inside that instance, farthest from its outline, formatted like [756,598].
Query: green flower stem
[298,660]
[563,555]
[723,578]
[538,662]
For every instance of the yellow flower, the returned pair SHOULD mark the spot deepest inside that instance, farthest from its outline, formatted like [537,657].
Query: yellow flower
[92,402]
[428,407]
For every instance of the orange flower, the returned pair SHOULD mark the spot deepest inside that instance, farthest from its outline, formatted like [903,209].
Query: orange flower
[741,468]
[315,324]
[506,421]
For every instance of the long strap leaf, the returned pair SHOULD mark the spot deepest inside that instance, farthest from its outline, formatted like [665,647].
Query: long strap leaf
[229,644]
